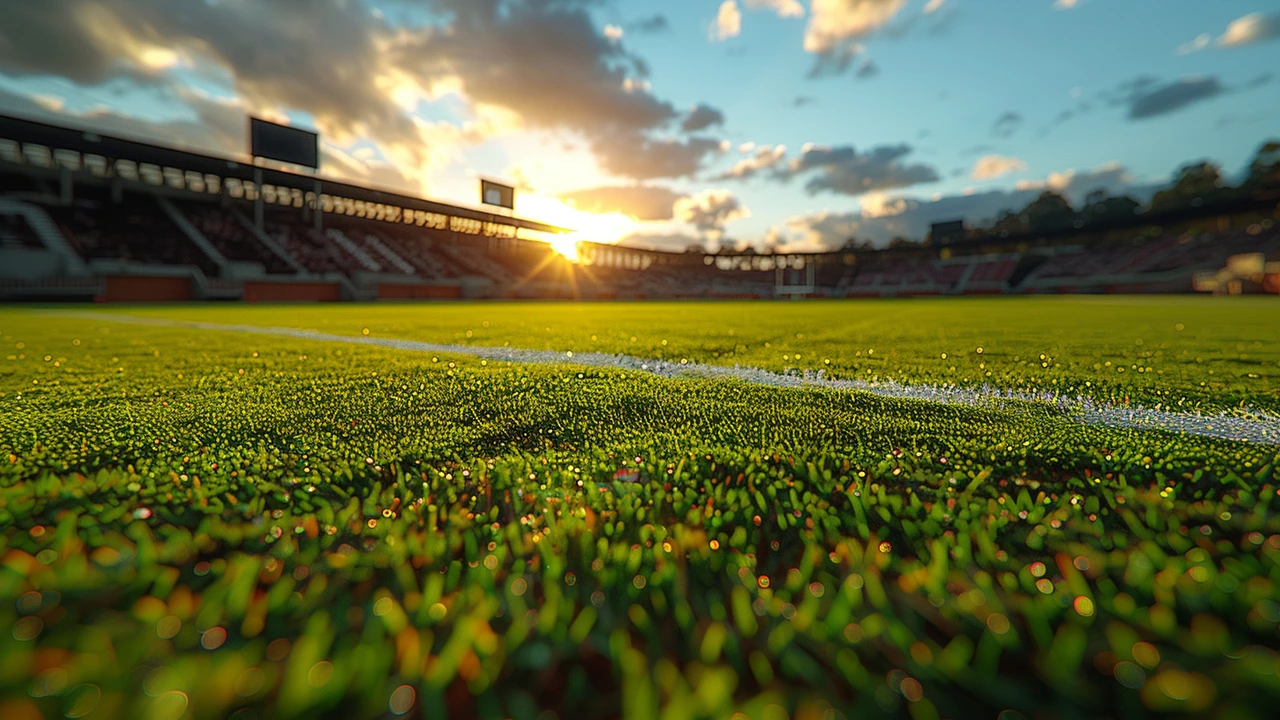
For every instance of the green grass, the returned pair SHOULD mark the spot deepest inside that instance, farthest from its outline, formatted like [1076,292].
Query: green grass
[1183,352]
[200,522]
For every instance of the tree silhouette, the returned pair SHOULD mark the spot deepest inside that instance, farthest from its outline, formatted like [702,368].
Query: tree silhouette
[1195,185]
[1101,207]
[1049,211]
[1264,171]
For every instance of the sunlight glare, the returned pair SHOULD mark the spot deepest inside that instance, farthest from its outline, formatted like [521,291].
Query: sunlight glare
[606,228]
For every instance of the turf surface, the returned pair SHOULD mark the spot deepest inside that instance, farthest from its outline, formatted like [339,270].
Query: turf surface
[1183,352]
[203,523]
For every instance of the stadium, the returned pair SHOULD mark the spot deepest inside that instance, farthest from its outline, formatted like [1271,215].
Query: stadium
[96,218]
[279,440]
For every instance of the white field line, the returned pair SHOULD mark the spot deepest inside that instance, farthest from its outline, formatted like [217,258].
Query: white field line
[1252,426]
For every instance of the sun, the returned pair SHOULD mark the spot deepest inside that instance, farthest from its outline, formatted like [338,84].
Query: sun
[566,245]
[605,228]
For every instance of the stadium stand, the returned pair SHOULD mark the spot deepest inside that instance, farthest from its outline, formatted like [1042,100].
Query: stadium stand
[121,219]
[16,233]
[230,236]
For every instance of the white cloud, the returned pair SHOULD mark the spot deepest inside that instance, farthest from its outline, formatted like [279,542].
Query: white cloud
[1065,4]
[728,21]
[934,6]
[1250,29]
[875,205]
[784,8]
[834,23]
[990,167]
[613,32]
[1201,42]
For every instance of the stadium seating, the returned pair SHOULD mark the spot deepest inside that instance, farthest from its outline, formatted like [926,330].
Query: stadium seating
[134,229]
[233,239]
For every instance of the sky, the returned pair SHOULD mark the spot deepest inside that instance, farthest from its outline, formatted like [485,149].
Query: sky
[793,124]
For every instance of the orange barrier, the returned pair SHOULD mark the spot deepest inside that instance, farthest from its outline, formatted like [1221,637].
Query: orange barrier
[267,291]
[404,291]
[141,288]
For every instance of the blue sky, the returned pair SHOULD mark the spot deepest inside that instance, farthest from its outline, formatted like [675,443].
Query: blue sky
[425,95]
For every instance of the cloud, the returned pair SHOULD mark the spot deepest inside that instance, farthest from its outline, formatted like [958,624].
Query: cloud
[643,202]
[842,170]
[728,21]
[933,6]
[650,25]
[1007,124]
[766,158]
[1148,100]
[836,61]
[1250,29]
[802,100]
[882,218]
[1076,184]
[1065,4]
[784,8]
[835,26]
[867,69]
[990,167]
[701,118]
[1199,43]
[517,65]
[1247,30]
[710,210]
[613,32]
[635,156]
[833,23]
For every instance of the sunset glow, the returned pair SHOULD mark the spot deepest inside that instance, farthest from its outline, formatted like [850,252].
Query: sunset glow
[607,228]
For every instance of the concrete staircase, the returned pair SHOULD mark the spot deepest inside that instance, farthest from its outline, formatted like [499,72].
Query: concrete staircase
[49,233]
[389,255]
[193,234]
[365,259]
[267,241]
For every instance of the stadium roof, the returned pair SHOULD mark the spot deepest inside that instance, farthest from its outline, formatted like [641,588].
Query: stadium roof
[57,137]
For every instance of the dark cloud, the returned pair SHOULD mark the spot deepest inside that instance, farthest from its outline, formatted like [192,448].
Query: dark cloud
[834,61]
[643,202]
[546,61]
[844,171]
[911,217]
[701,118]
[1257,82]
[802,100]
[1154,101]
[867,69]
[709,211]
[276,55]
[1007,124]
[766,160]
[636,156]
[651,25]
[981,149]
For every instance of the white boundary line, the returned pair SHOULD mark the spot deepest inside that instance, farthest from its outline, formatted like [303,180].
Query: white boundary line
[1256,426]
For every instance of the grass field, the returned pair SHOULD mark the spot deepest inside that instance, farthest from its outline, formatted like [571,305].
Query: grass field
[197,522]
